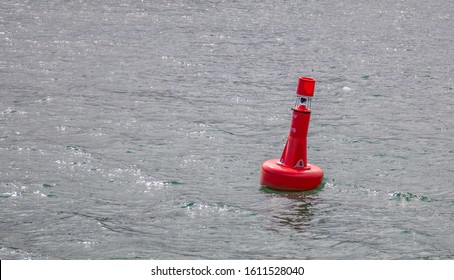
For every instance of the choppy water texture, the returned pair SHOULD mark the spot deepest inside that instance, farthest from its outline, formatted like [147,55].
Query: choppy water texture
[136,129]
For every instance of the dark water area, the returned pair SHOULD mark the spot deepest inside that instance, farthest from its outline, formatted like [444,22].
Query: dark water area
[136,129]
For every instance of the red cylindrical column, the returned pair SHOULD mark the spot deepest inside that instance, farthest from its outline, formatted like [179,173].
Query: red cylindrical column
[295,150]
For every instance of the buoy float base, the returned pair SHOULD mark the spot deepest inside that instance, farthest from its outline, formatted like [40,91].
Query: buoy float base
[277,176]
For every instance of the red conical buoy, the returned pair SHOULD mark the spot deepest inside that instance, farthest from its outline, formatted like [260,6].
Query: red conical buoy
[292,172]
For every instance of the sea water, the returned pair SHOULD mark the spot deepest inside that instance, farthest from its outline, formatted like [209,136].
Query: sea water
[136,129]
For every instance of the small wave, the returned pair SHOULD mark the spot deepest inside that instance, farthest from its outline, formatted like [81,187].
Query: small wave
[200,209]
[153,183]
[407,196]
[12,252]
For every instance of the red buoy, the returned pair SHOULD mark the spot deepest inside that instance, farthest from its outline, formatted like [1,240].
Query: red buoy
[292,172]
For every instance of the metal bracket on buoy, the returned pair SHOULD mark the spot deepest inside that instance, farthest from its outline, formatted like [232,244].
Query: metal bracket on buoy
[299,164]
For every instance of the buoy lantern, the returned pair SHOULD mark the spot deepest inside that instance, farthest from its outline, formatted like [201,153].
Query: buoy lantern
[292,172]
